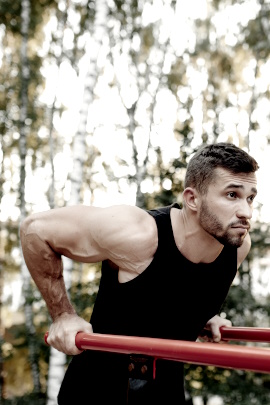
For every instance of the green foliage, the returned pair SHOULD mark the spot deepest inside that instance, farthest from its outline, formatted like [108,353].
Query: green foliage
[10,14]
[83,296]
[256,33]
[234,386]
[17,365]
[31,399]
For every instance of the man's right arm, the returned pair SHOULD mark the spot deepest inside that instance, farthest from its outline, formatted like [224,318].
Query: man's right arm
[86,234]
[46,268]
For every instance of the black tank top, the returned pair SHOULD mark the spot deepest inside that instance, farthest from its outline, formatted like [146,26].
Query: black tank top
[173,298]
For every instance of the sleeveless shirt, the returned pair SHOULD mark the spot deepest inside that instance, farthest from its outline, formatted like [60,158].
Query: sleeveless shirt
[173,298]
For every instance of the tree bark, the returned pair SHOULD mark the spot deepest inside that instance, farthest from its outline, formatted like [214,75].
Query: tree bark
[27,290]
[58,360]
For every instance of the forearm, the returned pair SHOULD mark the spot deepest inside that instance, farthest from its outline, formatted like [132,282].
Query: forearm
[46,269]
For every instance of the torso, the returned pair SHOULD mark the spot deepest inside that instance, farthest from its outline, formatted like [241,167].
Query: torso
[129,272]
[153,302]
[172,298]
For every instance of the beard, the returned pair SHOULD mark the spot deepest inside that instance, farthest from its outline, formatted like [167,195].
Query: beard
[211,224]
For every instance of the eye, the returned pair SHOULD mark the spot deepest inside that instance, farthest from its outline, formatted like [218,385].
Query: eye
[232,194]
[251,198]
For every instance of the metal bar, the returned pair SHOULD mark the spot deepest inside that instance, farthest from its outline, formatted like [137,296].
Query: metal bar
[242,333]
[209,354]
[227,356]
[239,333]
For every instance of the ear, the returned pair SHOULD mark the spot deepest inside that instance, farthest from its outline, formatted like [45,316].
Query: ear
[190,197]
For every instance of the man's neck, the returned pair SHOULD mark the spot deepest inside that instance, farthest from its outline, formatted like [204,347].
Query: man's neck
[192,241]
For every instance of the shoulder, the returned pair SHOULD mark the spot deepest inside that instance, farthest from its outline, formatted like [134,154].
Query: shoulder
[126,215]
[243,250]
[122,231]
[130,237]
[130,223]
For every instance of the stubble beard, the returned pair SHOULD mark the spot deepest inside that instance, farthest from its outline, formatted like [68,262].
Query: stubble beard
[211,224]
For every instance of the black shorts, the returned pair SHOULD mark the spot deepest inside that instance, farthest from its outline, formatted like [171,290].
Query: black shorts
[99,378]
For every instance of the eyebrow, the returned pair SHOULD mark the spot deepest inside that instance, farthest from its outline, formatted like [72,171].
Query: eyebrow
[232,185]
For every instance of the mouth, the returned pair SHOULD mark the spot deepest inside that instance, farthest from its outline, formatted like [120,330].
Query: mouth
[241,229]
[245,227]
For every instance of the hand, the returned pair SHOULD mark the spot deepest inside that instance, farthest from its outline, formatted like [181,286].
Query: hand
[63,331]
[213,325]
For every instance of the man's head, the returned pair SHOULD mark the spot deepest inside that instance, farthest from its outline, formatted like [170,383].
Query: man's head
[201,168]
[220,188]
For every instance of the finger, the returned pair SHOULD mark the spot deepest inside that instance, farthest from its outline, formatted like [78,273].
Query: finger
[67,348]
[215,333]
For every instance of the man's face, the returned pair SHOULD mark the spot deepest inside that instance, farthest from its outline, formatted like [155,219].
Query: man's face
[226,209]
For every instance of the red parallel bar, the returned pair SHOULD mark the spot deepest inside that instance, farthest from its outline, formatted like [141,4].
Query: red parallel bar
[238,333]
[209,354]
[242,333]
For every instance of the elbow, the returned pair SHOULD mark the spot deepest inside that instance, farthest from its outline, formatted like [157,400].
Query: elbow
[24,231]
[26,222]
[27,226]
[32,238]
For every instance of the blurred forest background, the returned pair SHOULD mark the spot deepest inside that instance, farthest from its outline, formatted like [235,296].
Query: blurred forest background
[103,102]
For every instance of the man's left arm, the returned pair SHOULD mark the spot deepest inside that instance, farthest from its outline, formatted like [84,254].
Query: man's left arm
[214,324]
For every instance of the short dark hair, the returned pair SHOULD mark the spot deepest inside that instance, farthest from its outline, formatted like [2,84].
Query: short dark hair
[201,167]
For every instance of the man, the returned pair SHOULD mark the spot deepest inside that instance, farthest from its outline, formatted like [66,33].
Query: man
[165,274]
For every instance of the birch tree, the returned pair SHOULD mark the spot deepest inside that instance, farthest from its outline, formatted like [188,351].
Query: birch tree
[25,74]
[58,42]
[57,360]
[1,277]
[92,48]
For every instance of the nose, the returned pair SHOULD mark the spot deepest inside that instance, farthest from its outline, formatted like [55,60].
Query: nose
[245,210]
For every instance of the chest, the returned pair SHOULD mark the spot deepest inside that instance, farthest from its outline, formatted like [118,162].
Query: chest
[172,298]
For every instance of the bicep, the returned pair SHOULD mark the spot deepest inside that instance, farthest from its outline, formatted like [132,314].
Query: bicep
[130,236]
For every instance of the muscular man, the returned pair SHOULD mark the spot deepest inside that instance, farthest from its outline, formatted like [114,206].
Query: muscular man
[165,273]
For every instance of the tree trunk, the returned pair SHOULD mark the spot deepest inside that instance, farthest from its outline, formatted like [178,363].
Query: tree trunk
[27,291]
[58,360]
[2,381]
[1,336]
